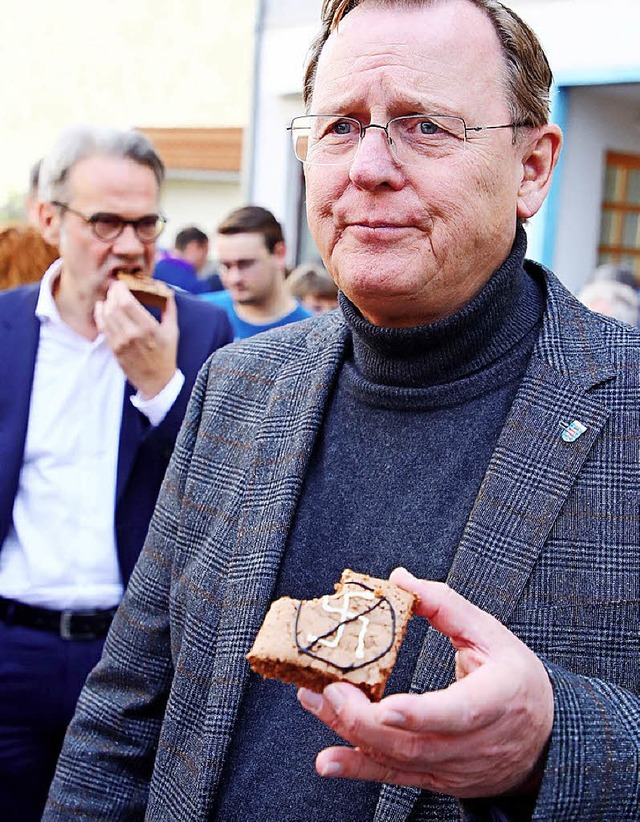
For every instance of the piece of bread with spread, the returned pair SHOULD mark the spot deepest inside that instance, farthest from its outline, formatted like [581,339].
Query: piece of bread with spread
[351,636]
[146,290]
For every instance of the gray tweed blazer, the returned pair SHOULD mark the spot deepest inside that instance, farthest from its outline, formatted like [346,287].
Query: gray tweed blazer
[551,548]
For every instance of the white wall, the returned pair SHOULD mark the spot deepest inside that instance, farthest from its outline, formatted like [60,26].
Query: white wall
[584,34]
[201,203]
[175,63]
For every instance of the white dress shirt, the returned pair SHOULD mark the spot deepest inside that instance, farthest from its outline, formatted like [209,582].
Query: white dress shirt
[60,551]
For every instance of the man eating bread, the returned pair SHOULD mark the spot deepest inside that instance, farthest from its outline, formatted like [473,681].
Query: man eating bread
[93,388]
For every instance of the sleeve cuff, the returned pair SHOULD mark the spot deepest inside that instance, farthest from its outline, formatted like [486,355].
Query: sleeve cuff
[156,408]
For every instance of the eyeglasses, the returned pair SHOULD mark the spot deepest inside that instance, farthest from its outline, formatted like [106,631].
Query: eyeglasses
[330,139]
[241,265]
[108,227]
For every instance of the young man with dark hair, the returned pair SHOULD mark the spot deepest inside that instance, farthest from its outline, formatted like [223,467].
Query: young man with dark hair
[188,257]
[251,256]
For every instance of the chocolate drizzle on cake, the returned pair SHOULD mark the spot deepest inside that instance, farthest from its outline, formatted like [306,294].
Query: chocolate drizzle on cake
[337,630]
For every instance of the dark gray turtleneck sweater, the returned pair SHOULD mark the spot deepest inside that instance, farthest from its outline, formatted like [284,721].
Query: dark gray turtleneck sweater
[412,422]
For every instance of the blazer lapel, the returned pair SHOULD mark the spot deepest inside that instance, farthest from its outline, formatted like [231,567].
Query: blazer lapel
[19,333]
[280,455]
[132,429]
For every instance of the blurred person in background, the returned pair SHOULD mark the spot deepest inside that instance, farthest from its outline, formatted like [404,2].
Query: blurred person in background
[182,265]
[93,389]
[313,287]
[615,273]
[31,199]
[613,299]
[24,255]
[251,255]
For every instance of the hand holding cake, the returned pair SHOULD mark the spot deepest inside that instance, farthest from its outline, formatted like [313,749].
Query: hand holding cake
[483,735]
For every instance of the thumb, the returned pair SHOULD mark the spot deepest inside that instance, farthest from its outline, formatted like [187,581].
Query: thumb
[466,625]
[98,315]
[170,311]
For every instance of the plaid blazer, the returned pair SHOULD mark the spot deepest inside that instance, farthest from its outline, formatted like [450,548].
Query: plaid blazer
[551,548]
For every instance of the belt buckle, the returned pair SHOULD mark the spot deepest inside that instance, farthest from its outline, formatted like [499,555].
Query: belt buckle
[65,625]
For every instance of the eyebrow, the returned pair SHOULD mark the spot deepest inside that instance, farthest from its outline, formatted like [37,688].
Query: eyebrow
[408,105]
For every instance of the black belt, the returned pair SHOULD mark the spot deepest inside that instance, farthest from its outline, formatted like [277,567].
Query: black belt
[84,624]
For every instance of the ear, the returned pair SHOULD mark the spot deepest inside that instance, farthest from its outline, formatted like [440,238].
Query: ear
[49,222]
[280,249]
[539,159]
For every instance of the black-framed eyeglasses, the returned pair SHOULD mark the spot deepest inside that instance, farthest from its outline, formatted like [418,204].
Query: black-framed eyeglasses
[108,227]
[331,139]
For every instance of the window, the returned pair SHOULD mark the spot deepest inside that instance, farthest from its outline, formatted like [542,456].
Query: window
[620,223]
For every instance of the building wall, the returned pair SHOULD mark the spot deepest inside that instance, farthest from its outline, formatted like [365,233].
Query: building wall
[124,63]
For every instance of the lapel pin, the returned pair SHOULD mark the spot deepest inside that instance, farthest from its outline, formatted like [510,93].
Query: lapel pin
[573,431]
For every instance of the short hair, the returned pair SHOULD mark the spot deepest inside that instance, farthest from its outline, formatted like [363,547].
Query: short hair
[309,278]
[34,177]
[528,76]
[621,300]
[79,142]
[253,220]
[190,234]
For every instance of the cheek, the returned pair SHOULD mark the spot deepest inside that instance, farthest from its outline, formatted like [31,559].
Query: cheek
[321,195]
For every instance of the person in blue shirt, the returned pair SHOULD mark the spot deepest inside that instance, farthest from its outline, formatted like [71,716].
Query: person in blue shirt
[252,263]
[180,267]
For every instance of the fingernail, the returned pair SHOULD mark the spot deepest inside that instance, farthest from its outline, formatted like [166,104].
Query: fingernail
[331,769]
[334,697]
[395,718]
[310,700]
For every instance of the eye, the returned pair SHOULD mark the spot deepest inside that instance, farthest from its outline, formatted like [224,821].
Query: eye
[342,127]
[107,221]
[106,226]
[148,225]
[428,127]
[336,127]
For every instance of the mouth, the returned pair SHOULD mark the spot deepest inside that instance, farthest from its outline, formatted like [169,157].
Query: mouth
[370,231]
[130,270]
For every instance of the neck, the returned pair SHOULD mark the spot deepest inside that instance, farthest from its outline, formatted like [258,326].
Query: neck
[504,312]
[76,308]
[278,304]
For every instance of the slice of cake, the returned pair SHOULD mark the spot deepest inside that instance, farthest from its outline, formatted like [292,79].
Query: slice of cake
[146,290]
[352,636]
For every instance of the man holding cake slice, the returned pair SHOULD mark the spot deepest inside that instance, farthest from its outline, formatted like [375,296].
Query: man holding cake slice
[462,416]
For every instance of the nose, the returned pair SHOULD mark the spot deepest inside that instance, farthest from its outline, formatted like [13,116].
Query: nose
[375,164]
[128,243]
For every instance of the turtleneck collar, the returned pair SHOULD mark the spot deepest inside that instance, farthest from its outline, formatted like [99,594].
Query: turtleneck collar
[507,308]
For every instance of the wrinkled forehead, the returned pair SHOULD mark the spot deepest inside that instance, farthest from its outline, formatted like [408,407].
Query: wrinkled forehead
[444,53]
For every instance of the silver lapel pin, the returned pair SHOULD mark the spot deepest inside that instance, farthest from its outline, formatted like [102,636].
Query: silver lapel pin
[572,431]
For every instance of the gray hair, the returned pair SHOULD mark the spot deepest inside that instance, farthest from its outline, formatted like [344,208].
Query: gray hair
[528,77]
[79,142]
[612,298]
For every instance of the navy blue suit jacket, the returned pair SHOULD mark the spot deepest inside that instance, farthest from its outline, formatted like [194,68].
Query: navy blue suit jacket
[144,450]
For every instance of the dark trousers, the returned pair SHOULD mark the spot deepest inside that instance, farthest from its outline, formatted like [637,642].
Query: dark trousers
[41,676]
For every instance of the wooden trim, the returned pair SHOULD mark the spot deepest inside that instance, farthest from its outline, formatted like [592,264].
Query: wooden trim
[201,149]
[627,251]
[616,158]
